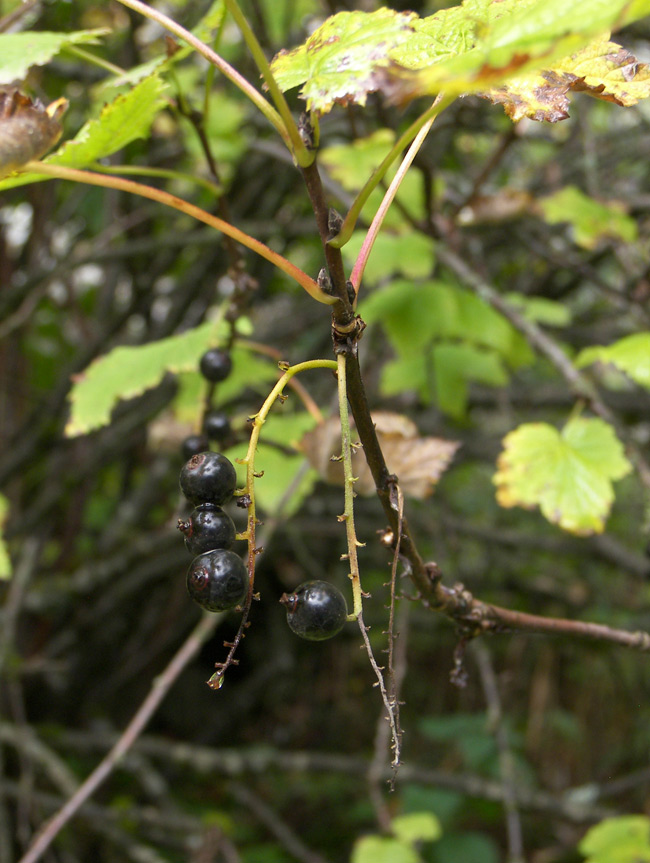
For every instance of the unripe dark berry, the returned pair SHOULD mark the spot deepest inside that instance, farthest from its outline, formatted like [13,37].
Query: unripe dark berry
[216,425]
[207,529]
[215,365]
[194,444]
[208,477]
[316,610]
[217,580]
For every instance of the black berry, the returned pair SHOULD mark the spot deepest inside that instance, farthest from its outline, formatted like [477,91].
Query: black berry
[208,477]
[216,425]
[207,529]
[316,610]
[194,444]
[217,580]
[215,365]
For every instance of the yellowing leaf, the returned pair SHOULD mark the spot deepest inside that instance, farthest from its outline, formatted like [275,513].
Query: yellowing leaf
[631,355]
[418,461]
[591,220]
[567,474]
[625,839]
[474,47]
[603,69]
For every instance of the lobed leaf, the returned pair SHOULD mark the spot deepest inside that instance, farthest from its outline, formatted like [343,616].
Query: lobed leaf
[341,61]
[126,372]
[474,47]
[630,354]
[20,51]
[567,474]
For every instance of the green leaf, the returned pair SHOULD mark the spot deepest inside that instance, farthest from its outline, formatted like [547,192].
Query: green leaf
[126,372]
[126,118]
[416,827]
[350,164]
[377,849]
[467,847]
[20,51]
[630,354]
[454,366]
[5,562]
[414,315]
[340,61]
[568,475]
[625,839]
[590,220]
[287,479]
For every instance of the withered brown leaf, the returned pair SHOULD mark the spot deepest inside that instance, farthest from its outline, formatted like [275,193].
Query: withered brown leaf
[418,461]
[27,129]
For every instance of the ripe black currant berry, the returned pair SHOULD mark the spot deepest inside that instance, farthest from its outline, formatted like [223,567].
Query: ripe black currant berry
[194,444]
[208,477]
[316,610]
[215,365]
[216,425]
[207,529]
[217,580]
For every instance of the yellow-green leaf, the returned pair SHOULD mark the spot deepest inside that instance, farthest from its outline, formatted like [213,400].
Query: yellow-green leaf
[20,51]
[590,220]
[416,827]
[625,839]
[568,474]
[126,372]
[630,354]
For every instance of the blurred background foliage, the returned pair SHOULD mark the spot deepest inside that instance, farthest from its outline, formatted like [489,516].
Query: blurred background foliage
[274,767]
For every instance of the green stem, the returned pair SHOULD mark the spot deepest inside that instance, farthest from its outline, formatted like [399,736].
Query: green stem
[260,419]
[303,156]
[89,57]
[378,174]
[225,68]
[348,513]
[182,206]
[158,172]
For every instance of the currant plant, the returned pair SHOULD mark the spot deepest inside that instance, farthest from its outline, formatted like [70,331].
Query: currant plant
[529,57]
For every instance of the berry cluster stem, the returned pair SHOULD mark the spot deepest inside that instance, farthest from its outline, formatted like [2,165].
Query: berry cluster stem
[216,681]
[348,513]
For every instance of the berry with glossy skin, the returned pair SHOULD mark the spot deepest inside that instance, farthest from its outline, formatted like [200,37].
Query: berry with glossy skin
[208,477]
[194,444]
[215,365]
[216,425]
[217,580]
[316,610]
[207,529]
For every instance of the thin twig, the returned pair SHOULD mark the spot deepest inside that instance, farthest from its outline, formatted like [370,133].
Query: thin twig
[506,761]
[159,690]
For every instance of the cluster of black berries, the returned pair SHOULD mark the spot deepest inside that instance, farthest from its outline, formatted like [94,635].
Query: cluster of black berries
[217,578]
[215,366]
